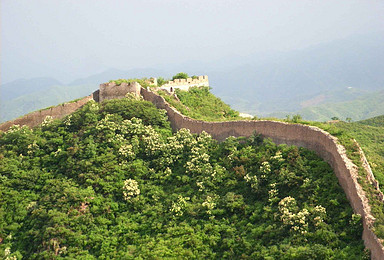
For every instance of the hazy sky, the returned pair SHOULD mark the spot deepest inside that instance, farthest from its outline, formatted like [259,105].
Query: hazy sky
[66,39]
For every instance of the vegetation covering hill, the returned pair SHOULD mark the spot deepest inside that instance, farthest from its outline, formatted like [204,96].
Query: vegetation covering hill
[28,102]
[371,141]
[362,107]
[374,121]
[200,103]
[113,181]
[371,138]
[353,103]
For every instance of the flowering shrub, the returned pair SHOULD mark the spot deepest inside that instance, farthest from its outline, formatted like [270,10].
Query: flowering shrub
[291,216]
[297,219]
[179,205]
[130,189]
[71,190]
[252,180]
[47,121]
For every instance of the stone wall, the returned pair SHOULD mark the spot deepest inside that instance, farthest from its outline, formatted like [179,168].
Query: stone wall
[113,91]
[37,117]
[185,84]
[312,138]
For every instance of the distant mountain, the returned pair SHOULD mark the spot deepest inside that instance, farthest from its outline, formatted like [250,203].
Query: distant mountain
[26,86]
[361,107]
[24,104]
[316,81]
[23,96]
[117,74]
[282,81]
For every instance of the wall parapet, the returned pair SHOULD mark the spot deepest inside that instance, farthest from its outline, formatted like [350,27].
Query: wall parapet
[310,137]
[185,84]
[112,91]
[36,118]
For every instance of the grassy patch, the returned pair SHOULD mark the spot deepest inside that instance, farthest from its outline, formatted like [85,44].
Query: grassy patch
[199,103]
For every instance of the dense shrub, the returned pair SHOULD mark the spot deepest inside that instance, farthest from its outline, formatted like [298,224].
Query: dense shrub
[180,75]
[105,184]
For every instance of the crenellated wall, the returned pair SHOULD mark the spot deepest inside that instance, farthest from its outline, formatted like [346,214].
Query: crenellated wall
[312,138]
[185,84]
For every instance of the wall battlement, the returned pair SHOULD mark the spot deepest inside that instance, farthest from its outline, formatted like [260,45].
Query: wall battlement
[185,84]
[312,138]
[112,91]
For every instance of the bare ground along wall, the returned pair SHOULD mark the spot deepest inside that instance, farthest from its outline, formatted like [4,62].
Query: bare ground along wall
[312,138]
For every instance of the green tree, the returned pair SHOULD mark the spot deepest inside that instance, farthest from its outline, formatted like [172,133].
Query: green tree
[296,118]
[180,75]
[161,81]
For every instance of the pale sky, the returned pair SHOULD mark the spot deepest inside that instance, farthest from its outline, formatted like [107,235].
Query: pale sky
[66,39]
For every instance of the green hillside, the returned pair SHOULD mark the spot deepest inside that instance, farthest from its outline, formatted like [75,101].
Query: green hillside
[26,103]
[363,107]
[112,181]
[375,121]
[371,141]
[200,103]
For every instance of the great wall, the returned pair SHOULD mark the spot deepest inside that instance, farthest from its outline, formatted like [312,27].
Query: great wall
[312,138]
[184,84]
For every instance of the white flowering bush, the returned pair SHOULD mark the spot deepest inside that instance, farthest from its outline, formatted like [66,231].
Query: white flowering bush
[291,216]
[272,193]
[14,129]
[319,214]
[198,163]
[252,180]
[130,189]
[67,120]
[185,138]
[209,204]
[47,121]
[265,168]
[126,150]
[177,208]
[299,220]
[93,106]
[32,148]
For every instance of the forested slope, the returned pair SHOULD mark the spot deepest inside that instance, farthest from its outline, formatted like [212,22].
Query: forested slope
[113,181]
